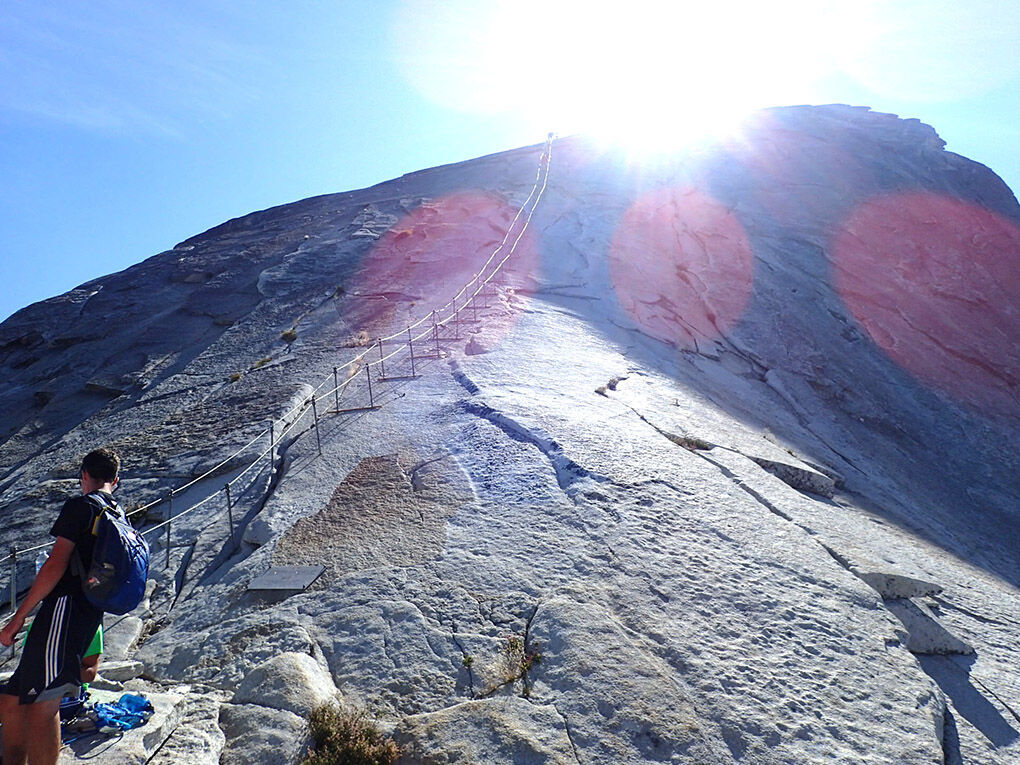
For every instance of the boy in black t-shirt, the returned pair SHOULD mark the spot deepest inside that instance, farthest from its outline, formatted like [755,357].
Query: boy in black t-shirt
[65,625]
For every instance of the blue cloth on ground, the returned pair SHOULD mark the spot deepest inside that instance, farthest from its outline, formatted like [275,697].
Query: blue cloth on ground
[130,711]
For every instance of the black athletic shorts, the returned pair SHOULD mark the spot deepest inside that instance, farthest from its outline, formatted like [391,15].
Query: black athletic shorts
[51,662]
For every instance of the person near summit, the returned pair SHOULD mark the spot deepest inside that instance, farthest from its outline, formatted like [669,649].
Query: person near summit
[73,702]
[52,662]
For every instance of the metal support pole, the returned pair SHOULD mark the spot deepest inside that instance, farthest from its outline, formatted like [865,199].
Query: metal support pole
[336,388]
[230,516]
[169,523]
[272,448]
[382,361]
[14,578]
[368,376]
[474,306]
[315,416]
[456,320]
[410,348]
[435,332]
[14,591]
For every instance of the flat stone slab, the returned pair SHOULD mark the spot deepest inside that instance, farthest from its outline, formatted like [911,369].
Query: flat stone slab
[286,578]
[120,671]
[120,635]
[131,747]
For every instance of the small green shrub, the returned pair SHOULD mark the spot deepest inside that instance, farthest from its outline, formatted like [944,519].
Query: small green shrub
[236,376]
[262,362]
[289,335]
[347,737]
[517,660]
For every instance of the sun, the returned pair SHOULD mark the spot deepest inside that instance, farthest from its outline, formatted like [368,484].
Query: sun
[646,75]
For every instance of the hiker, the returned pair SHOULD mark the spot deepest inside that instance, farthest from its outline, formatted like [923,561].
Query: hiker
[51,664]
[73,702]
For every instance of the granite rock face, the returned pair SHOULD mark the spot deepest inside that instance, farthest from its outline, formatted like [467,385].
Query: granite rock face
[721,468]
[291,681]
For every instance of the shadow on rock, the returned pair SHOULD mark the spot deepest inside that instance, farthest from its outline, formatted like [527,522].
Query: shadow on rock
[953,676]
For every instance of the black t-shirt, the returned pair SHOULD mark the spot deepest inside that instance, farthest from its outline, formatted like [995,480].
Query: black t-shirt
[75,523]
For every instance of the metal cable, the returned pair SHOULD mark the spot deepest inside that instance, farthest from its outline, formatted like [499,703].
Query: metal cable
[542,161]
[302,407]
[209,472]
[181,514]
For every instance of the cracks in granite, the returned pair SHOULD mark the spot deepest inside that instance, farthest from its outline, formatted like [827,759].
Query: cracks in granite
[997,697]
[691,443]
[518,667]
[972,614]
[758,497]
[142,399]
[950,740]
[466,659]
[805,423]
[566,470]
[528,644]
[182,570]
[570,735]
[771,507]
[462,379]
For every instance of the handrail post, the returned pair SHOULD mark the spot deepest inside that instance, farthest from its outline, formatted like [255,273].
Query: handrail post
[435,332]
[14,578]
[169,523]
[474,306]
[14,590]
[230,516]
[410,349]
[368,376]
[272,448]
[315,416]
[382,361]
[336,388]
[456,319]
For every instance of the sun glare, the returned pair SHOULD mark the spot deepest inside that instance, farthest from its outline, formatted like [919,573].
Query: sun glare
[647,75]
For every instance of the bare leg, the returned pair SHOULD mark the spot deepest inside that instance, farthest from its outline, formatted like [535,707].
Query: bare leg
[14,718]
[43,732]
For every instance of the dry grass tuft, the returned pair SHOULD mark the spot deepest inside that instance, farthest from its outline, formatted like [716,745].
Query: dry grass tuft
[691,443]
[346,737]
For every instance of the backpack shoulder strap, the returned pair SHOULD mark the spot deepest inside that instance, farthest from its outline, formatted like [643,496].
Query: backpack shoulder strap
[104,503]
[101,503]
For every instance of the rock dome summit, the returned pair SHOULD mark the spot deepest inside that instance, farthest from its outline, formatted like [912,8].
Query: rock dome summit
[567,460]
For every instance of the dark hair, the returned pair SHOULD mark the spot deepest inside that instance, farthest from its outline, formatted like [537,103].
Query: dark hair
[102,464]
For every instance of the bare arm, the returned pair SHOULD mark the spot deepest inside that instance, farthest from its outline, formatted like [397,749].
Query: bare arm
[50,573]
[89,668]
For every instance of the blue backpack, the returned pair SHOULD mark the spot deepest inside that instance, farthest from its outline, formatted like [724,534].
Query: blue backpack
[115,582]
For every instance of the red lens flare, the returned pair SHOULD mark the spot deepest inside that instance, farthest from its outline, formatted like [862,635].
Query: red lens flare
[423,261]
[935,282]
[681,266]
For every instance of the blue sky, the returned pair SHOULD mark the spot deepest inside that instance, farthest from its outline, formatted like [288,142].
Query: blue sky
[126,127]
